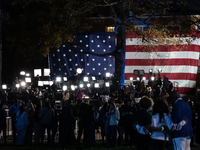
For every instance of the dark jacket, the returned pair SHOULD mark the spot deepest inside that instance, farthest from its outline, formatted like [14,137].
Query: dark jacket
[181,110]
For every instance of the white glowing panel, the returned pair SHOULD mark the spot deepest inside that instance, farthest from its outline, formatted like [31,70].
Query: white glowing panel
[46,72]
[37,72]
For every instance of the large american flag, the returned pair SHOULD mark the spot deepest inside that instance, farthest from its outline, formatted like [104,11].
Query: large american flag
[178,63]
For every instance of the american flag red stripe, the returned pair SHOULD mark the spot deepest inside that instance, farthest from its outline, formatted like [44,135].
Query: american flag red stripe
[161,62]
[178,63]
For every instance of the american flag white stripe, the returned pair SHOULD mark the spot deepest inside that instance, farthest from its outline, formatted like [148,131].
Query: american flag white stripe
[163,55]
[165,69]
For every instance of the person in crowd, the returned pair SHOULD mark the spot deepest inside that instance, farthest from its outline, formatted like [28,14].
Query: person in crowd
[13,109]
[181,110]
[127,118]
[21,125]
[82,122]
[114,117]
[66,124]
[132,91]
[3,116]
[79,97]
[91,121]
[30,111]
[54,125]
[143,118]
[46,114]
[37,126]
[161,118]
[54,87]
[102,120]
[4,97]
[165,83]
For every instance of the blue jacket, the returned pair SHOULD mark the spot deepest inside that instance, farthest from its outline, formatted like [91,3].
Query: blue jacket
[180,111]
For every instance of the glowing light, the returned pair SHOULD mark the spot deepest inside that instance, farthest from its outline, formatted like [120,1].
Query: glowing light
[96,85]
[58,79]
[64,88]
[79,70]
[4,86]
[22,73]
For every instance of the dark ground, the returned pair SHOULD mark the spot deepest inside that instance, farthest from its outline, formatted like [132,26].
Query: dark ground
[98,146]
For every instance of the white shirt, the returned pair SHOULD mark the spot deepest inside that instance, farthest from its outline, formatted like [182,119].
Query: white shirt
[155,121]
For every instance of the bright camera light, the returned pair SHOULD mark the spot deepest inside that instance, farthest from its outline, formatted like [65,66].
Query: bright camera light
[64,87]
[160,70]
[64,78]
[79,70]
[88,85]
[37,72]
[23,84]
[107,74]
[107,84]
[4,86]
[28,80]
[58,79]
[85,79]
[131,78]
[152,78]
[96,85]
[93,78]
[72,87]
[22,73]
[81,86]
[50,83]
[138,78]
[45,82]
[28,74]
[17,85]
[144,78]
[40,83]
[46,72]
[150,70]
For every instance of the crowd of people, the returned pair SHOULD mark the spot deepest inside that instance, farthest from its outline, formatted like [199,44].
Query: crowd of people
[145,117]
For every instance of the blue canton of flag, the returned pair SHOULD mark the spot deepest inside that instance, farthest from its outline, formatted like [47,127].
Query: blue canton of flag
[91,52]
